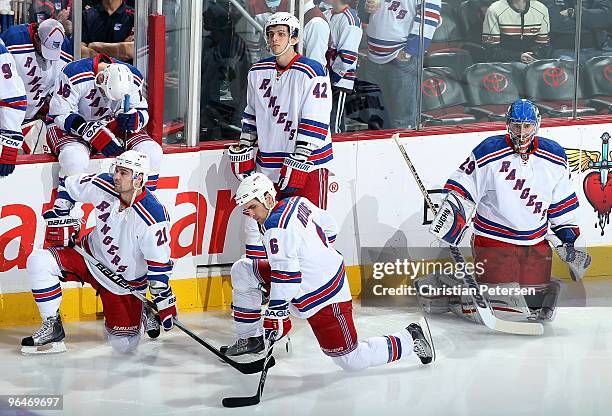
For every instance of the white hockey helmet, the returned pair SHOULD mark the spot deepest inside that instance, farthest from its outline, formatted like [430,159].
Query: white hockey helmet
[286,19]
[137,162]
[115,81]
[255,186]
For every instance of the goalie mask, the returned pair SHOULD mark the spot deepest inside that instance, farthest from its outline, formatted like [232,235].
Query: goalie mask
[115,81]
[285,19]
[522,122]
[255,186]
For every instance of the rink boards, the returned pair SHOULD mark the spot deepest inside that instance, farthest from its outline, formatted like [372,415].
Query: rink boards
[372,195]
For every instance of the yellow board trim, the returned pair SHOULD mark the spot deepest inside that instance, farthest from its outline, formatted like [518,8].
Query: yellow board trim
[212,293]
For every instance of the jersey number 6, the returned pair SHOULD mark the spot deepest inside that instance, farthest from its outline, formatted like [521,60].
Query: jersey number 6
[274,245]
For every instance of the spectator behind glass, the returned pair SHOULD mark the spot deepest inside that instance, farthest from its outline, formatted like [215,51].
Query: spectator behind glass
[393,41]
[596,16]
[108,28]
[516,31]
[41,10]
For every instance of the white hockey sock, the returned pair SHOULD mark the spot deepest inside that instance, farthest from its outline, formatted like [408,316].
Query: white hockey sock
[246,300]
[44,279]
[377,351]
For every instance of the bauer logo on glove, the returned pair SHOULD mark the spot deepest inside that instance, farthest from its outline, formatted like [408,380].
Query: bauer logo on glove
[450,224]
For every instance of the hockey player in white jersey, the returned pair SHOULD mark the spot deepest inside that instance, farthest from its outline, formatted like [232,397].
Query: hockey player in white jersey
[131,238]
[41,50]
[88,115]
[305,277]
[13,104]
[393,36]
[346,32]
[520,185]
[287,118]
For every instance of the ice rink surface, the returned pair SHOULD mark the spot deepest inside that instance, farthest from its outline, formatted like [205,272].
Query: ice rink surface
[567,371]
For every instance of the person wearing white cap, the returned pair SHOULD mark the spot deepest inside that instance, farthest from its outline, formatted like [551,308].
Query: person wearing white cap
[87,110]
[40,52]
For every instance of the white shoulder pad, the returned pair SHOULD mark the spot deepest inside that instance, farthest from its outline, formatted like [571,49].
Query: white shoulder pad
[452,218]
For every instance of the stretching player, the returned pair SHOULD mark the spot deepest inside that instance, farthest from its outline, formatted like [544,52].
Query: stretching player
[87,110]
[305,277]
[345,28]
[131,238]
[13,103]
[287,116]
[520,184]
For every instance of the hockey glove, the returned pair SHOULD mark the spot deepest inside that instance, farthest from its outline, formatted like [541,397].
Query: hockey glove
[293,174]
[276,321]
[9,146]
[166,306]
[60,228]
[100,138]
[129,122]
[242,160]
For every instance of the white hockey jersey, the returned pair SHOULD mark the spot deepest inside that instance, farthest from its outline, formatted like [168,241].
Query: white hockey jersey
[306,270]
[282,109]
[345,29]
[80,96]
[134,242]
[38,74]
[517,200]
[396,26]
[13,99]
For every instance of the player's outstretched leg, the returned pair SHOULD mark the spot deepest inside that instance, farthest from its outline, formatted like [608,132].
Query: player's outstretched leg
[48,339]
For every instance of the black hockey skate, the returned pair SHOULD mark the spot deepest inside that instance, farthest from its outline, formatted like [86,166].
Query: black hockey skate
[251,345]
[152,323]
[423,344]
[49,339]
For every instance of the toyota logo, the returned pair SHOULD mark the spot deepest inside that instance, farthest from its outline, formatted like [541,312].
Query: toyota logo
[433,87]
[608,72]
[495,82]
[555,77]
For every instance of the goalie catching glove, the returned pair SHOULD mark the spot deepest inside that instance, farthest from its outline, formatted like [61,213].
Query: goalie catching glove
[166,304]
[242,160]
[100,138]
[276,323]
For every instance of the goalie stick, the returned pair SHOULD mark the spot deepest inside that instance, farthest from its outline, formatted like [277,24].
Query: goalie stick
[482,304]
[245,368]
[253,400]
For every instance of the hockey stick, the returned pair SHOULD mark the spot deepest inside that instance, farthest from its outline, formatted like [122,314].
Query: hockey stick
[253,400]
[482,304]
[126,108]
[245,368]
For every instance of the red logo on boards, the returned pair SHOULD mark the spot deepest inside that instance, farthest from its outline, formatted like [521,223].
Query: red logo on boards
[608,72]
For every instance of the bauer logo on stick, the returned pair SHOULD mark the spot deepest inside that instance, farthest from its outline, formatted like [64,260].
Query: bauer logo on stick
[450,223]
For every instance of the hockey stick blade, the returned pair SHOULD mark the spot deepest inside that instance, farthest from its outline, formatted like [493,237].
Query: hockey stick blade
[245,368]
[482,304]
[253,400]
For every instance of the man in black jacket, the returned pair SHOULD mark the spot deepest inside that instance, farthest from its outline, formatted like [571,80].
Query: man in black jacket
[596,16]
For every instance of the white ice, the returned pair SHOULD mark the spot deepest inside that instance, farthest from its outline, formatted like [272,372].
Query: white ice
[567,371]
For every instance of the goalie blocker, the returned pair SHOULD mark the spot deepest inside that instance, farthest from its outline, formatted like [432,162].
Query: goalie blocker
[451,221]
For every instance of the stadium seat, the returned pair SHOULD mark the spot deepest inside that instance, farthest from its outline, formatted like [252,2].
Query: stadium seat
[598,78]
[550,83]
[491,87]
[448,34]
[457,59]
[443,98]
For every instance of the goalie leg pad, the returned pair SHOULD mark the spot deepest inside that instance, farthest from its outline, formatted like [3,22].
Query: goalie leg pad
[430,301]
